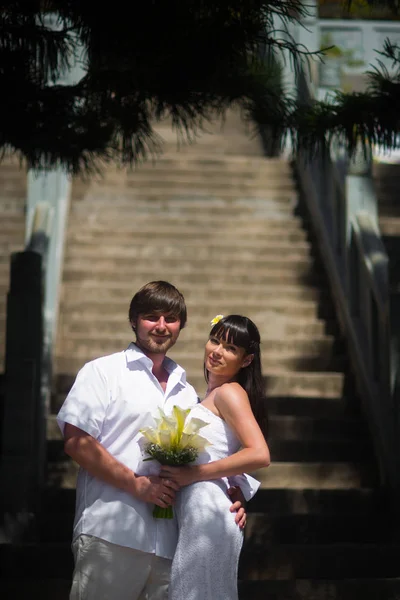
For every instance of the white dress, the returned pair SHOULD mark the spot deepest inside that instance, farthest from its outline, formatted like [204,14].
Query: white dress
[205,564]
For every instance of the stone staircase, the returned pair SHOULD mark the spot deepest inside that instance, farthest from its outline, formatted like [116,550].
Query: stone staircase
[222,223]
[12,231]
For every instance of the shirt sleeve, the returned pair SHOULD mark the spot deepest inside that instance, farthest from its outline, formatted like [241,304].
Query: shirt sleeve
[86,404]
[247,484]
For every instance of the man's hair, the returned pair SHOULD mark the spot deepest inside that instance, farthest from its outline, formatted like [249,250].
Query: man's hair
[158,297]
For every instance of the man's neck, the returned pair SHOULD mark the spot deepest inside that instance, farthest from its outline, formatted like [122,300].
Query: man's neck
[158,369]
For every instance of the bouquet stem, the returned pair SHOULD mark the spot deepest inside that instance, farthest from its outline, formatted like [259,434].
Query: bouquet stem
[163,513]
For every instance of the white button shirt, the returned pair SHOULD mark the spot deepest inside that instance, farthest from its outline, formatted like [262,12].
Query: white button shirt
[113,397]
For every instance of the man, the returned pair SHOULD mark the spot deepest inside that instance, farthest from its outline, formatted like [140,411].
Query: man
[121,552]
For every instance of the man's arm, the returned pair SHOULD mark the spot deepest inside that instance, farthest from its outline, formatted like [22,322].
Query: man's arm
[94,458]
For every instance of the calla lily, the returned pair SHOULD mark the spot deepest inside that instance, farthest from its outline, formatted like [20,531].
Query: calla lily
[193,425]
[171,430]
[193,440]
[174,441]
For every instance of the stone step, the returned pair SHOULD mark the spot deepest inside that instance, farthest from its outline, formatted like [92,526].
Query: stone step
[179,250]
[62,473]
[14,196]
[122,262]
[193,180]
[263,528]
[389,225]
[285,229]
[321,346]
[285,446]
[284,375]
[106,271]
[290,362]
[8,247]
[362,502]
[317,529]
[322,589]
[296,436]
[274,322]
[190,181]
[11,185]
[177,163]
[217,291]
[147,201]
[45,562]
[324,385]
[316,475]
[283,502]
[277,567]
[330,450]
[288,428]
[320,561]
[332,407]
[201,158]
[295,392]
[186,211]
[12,207]
[300,589]
[388,208]
[257,307]
[302,405]
[320,429]
[392,245]
[13,175]
[248,220]
[13,222]
[316,429]
[40,588]
[285,383]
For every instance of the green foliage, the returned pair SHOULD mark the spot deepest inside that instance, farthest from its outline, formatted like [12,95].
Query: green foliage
[171,456]
[182,60]
[371,117]
[185,60]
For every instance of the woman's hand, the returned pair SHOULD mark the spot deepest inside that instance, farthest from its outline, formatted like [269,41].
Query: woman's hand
[180,475]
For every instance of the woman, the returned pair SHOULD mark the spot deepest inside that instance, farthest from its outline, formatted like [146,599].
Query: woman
[206,560]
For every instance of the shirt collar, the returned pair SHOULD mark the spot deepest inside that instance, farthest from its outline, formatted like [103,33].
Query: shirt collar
[134,353]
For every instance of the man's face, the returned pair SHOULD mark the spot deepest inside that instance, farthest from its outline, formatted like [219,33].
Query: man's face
[156,333]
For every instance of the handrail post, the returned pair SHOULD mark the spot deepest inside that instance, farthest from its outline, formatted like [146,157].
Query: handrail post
[23,435]
[49,193]
[359,196]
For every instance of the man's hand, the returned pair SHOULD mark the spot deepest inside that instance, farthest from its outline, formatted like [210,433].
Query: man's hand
[155,490]
[238,504]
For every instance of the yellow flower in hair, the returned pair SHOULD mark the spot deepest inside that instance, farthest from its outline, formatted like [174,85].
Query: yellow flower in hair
[216,320]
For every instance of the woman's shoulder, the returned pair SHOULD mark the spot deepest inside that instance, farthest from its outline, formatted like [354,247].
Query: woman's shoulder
[231,392]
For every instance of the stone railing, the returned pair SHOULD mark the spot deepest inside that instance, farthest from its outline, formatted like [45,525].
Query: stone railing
[342,206]
[24,417]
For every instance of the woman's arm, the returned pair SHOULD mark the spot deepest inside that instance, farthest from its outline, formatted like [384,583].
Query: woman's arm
[234,407]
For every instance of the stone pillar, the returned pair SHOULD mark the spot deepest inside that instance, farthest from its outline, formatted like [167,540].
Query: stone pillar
[23,435]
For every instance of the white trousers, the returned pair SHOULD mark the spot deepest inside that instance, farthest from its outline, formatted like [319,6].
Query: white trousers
[105,571]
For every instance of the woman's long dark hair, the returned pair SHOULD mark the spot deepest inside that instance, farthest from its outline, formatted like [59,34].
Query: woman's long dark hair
[242,332]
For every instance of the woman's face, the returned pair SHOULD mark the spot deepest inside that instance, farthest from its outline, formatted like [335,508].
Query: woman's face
[224,358]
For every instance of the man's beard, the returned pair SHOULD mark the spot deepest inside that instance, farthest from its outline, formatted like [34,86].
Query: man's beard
[149,345]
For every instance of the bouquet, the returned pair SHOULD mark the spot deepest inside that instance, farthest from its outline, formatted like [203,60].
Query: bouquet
[174,441]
